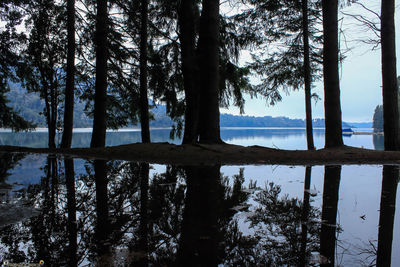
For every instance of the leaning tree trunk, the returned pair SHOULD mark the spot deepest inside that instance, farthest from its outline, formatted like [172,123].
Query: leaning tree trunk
[70,83]
[99,118]
[307,76]
[389,79]
[187,36]
[209,72]
[333,113]
[144,102]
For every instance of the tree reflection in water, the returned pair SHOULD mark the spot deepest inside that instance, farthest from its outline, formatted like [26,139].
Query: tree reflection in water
[128,214]
[390,179]
[329,212]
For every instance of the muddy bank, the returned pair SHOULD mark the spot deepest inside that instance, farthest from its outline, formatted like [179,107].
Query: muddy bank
[165,153]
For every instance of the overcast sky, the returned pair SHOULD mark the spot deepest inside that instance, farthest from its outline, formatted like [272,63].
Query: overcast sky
[360,80]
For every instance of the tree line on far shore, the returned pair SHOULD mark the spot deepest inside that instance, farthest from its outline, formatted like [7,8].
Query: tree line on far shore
[114,55]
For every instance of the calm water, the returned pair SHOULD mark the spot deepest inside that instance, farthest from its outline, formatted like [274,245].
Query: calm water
[74,212]
[119,213]
[283,138]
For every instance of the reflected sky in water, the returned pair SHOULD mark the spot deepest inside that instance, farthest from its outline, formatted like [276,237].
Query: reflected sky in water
[135,214]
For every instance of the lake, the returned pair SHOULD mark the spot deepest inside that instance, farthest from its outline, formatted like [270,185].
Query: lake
[76,212]
[282,138]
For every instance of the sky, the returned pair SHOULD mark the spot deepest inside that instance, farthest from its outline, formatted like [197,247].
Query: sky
[360,78]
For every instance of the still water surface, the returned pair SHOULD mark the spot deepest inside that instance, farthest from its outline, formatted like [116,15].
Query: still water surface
[74,212]
[282,138]
[120,213]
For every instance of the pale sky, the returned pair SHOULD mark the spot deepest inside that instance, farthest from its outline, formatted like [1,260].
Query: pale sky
[360,82]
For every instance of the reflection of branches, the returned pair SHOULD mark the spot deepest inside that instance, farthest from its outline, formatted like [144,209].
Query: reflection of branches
[277,222]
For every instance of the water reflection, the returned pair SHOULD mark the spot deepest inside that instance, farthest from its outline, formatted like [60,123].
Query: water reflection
[329,213]
[120,213]
[390,179]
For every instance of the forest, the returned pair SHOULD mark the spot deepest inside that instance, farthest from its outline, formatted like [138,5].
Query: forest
[123,58]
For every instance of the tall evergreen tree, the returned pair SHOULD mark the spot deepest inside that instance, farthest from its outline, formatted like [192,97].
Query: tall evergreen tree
[10,40]
[333,113]
[70,80]
[101,40]
[187,35]
[44,59]
[307,74]
[293,27]
[389,76]
[209,72]
[144,102]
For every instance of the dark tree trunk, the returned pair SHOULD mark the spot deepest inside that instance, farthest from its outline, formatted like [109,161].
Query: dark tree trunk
[390,179]
[333,113]
[304,217]
[209,72]
[70,83]
[99,118]
[198,240]
[187,36]
[144,102]
[71,207]
[53,114]
[330,200]
[307,76]
[389,79]
[102,218]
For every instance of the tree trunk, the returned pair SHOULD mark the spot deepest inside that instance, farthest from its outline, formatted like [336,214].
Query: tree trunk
[389,79]
[187,36]
[390,179]
[70,83]
[333,113]
[209,72]
[144,102]
[99,119]
[307,76]
[330,200]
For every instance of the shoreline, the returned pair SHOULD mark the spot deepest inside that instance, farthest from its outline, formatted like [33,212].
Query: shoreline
[223,154]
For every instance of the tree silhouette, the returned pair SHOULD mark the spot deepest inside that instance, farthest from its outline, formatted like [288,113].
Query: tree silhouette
[333,113]
[389,77]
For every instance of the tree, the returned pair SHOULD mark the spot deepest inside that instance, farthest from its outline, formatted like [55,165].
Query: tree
[293,26]
[70,80]
[101,40]
[144,102]
[44,58]
[209,72]
[187,26]
[10,40]
[389,76]
[377,120]
[333,113]
[307,75]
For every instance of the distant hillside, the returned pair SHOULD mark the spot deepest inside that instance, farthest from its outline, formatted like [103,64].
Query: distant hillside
[30,107]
